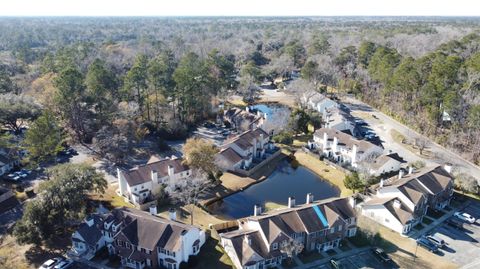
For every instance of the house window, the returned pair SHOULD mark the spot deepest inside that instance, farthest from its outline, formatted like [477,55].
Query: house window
[387,220]
[274,246]
[339,227]
[332,230]
[135,189]
[127,245]
[143,187]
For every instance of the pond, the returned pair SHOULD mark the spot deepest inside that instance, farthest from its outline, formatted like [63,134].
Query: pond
[285,181]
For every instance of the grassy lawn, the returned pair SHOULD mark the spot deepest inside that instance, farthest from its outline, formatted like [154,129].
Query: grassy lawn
[272,206]
[111,198]
[401,139]
[401,249]
[418,227]
[308,257]
[334,176]
[212,256]
[12,254]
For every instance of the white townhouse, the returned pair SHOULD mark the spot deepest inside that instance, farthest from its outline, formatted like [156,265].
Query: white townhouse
[140,239]
[241,151]
[401,202]
[317,225]
[342,147]
[317,101]
[143,182]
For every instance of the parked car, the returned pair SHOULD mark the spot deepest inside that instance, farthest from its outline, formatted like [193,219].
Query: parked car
[50,263]
[454,222]
[336,264]
[381,255]
[440,243]
[425,243]
[63,264]
[465,217]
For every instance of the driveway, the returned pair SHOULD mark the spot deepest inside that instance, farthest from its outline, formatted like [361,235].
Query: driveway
[384,124]
[463,246]
[364,259]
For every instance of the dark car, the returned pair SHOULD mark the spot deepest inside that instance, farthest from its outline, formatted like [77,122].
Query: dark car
[456,223]
[427,244]
[381,255]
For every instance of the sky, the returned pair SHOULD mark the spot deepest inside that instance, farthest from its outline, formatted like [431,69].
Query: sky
[239,7]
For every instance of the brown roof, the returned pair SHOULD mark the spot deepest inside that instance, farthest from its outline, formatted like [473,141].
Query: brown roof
[278,225]
[229,156]
[142,174]
[344,139]
[148,231]
[245,140]
[428,180]
[382,160]
[414,195]
[402,213]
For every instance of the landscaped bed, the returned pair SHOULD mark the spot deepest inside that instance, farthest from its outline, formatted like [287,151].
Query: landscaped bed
[427,221]
[308,257]
[435,214]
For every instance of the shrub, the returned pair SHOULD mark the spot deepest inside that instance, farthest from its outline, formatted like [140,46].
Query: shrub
[283,138]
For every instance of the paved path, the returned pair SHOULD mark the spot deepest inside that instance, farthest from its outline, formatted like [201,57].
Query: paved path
[416,234]
[89,263]
[385,123]
[339,256]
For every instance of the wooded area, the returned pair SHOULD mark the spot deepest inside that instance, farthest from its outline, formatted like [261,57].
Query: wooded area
[111,81]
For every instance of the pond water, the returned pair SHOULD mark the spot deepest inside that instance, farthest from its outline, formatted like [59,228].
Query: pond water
[282,183]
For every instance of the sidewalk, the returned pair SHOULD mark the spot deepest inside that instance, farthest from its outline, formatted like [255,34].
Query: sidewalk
[326,260]
[416,234]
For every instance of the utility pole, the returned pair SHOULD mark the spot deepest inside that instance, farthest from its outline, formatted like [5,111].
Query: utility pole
[415,256]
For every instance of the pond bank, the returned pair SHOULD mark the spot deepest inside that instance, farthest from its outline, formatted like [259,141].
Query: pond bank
[325,171]
[232,183]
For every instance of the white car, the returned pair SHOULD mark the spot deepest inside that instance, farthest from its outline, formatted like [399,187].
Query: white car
[50,263]
[465,217]
[63,264]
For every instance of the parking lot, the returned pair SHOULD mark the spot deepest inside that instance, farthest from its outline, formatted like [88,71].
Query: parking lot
[361,260]
[463,245]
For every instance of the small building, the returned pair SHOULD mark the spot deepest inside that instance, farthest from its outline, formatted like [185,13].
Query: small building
[317,225]
[142,183]
[386,164]
[7,200]
[140,239]
[318,102]
[7,161]
[244,120]
[342,147]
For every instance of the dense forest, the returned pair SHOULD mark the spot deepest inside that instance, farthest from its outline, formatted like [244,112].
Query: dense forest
[110,81]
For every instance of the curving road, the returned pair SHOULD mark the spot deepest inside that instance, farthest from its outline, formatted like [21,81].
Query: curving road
[382,126]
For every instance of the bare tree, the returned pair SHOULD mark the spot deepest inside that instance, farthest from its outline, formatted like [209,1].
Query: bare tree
[466,183]
[421,143]
[291,247]
[365,167]
[188,191]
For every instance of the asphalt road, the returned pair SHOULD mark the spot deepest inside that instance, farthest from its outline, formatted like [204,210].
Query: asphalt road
[382,126]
